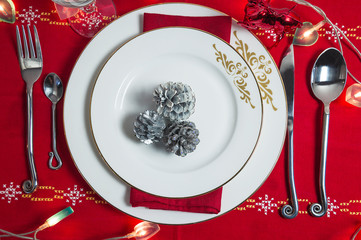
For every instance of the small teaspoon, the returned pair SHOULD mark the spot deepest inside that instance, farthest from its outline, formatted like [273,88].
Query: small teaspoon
[53,89]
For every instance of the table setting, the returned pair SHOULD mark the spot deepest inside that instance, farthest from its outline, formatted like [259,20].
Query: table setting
[180,119]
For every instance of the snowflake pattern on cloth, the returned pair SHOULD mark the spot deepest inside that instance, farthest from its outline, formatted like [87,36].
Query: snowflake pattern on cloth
[332,207]
[74,195]
[29,16]
[325,32]
[266,205]
[10,192]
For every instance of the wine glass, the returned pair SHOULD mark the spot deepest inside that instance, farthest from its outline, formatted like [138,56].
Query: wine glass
[86,17]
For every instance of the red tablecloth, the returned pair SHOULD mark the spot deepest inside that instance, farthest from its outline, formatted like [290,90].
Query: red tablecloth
[257,218]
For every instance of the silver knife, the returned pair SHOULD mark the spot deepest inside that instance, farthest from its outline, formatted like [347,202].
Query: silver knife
[287,70]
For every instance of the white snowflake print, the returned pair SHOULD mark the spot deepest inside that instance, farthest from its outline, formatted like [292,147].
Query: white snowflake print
[332,207]
[271,35]
[91,21]
[10,193]
[331,34]
[266,205]
[29,16]
[74,195]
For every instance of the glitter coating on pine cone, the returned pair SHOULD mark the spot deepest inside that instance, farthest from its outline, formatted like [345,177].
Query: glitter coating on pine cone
[175,101]
[181,138]
[149,126]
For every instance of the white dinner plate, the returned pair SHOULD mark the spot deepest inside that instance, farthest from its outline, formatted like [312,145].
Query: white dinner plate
[229,125]
[97,173]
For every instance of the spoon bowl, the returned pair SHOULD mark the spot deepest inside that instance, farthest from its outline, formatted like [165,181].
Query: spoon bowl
[328,79]
[328,75]
[53,87]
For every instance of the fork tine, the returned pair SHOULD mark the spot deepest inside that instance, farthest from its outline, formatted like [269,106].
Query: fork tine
[31,45]
[37,44]
[20,48]
[26,50]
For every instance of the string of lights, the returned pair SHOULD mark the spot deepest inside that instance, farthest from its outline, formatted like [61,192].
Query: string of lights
[142,231]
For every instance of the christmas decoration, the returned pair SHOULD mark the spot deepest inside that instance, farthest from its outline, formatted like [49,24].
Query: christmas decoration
[175,101]
[149,127]
[306,40]
[353,95]
[259,14]
[86,17]
[181,138]
[307,35]
[142,231]
[48,223]
[7,11]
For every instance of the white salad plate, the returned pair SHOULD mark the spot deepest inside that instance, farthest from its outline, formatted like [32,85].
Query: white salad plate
[229,125]
[84,150]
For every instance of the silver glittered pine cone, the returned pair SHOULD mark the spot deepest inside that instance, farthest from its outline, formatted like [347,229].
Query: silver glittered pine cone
[175,101]
[181,138]
[149,126]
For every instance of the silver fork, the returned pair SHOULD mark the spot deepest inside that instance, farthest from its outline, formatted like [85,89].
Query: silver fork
[31,66]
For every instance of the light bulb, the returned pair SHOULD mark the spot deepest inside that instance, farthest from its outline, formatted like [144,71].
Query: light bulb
[59,216]
[142,231]
[308,33]
[56,218]
[353,95]
[7,11]
[2,9]
[145,230]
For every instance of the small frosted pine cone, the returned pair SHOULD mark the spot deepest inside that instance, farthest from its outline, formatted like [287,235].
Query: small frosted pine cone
[175,101]
[181,138]
[149,126]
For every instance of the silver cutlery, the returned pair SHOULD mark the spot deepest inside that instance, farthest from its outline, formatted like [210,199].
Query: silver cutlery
[328,79]
[287,72]
[31,65]
[53,89]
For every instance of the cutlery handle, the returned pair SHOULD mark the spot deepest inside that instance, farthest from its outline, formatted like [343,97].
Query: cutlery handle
[30,186]
[59,163]
[291,210]
[317,209]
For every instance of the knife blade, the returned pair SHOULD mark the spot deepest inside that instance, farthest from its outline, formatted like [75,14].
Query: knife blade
[287,70]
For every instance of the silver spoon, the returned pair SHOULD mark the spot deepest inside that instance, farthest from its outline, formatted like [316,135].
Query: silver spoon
[53,89]
[328,80]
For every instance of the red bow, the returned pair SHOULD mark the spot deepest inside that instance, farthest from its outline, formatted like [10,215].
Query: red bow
[259,14]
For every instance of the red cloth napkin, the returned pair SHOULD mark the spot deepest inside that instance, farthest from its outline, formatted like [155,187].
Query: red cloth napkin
[217,25]
[210,202]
